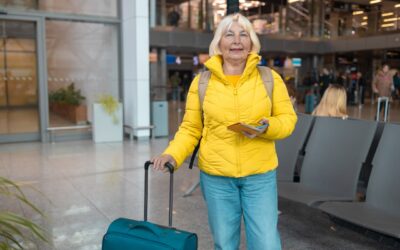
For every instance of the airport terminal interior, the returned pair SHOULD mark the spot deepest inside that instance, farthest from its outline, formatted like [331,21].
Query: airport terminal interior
[92,89]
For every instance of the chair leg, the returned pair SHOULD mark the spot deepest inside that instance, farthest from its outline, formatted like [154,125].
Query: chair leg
[190,191]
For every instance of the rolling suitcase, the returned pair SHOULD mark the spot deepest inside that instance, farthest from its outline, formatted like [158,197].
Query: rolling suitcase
[127,234]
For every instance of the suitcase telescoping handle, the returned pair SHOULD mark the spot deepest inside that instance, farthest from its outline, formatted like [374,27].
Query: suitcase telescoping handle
[171,189]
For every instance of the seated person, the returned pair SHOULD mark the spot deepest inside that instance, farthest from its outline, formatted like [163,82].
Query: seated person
[333,102]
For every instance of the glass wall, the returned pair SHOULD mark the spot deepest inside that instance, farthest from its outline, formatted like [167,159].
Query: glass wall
[18,78]
[83,56]
[107,8]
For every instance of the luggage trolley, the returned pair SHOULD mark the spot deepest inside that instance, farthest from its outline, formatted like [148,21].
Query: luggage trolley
[381,100]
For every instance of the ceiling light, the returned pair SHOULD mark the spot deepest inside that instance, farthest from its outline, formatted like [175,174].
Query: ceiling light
[397,5]
[387,14]
[393,19]
[365,17]
[359,12]
[387,25]
[374,1]
[364,23]
[294,1]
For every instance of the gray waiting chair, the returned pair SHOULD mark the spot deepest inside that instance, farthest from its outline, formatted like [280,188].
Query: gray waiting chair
[288,149]
[332,163]
[381,210]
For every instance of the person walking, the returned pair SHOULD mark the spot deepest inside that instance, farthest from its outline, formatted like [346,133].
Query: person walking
[237,171]
[383,84]
[361,85]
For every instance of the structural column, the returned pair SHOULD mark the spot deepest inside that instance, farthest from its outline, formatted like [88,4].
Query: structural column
[136,80]
[162,84]
[334,21]
[232,6]
[153,13]
[163,12]
[373,21]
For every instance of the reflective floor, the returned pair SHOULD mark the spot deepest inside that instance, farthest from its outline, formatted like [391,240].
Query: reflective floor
[81,187]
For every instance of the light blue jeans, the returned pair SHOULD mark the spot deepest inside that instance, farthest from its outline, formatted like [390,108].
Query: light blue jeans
[254,197]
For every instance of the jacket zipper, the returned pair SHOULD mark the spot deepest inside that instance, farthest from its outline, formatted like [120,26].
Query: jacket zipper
[235,93]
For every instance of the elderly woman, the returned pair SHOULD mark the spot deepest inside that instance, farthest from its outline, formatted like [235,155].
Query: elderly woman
[238,176]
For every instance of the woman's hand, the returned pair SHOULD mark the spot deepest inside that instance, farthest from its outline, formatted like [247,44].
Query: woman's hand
[159,162]
[261,122]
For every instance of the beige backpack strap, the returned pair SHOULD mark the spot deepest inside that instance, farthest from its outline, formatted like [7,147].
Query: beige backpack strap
[203,83]
[268,80]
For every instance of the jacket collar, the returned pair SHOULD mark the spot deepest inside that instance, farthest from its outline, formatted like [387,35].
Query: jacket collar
[214,64]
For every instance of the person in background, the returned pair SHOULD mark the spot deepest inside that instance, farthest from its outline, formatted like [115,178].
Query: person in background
[396,82]
[342,79]
[333,102]
[175,82]
[237,170]
[174,17]
[292,91]
[382,85]
[185,84]
[352,90]
[361,88]
[325,80]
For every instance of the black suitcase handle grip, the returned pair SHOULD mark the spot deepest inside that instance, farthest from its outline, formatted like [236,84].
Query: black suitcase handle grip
[171,189]
[167,165]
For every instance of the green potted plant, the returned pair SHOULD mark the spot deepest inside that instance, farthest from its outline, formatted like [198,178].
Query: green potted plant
[14,227]
[68,103]
[107,119]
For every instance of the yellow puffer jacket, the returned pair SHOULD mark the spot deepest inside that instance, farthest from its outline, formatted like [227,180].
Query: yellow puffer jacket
[224,152]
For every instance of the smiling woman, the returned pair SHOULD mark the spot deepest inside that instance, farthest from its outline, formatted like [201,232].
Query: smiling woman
[226,25]
[238,170]
[235,45]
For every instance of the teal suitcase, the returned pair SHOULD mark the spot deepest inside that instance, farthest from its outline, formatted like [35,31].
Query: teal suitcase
[127,234]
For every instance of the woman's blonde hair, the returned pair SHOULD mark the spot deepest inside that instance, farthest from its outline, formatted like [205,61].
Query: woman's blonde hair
[333,102]
[225,24]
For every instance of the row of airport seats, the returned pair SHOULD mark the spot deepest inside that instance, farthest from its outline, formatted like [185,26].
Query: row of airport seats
[331,157]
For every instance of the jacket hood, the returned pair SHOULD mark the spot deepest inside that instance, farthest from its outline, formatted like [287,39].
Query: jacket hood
[214,64]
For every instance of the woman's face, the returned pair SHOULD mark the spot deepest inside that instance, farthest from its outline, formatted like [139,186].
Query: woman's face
[235,44]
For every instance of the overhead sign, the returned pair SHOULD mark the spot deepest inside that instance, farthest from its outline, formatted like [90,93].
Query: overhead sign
[296,62]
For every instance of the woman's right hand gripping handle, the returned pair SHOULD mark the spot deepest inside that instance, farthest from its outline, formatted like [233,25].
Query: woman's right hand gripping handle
[159,162]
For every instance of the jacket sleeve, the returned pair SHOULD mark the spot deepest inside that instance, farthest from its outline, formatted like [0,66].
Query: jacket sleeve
[283,117]
[191,128]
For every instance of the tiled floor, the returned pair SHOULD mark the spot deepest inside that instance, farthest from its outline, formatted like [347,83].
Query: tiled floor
[81,187]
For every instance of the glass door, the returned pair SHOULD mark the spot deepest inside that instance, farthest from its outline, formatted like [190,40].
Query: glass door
[19,92]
